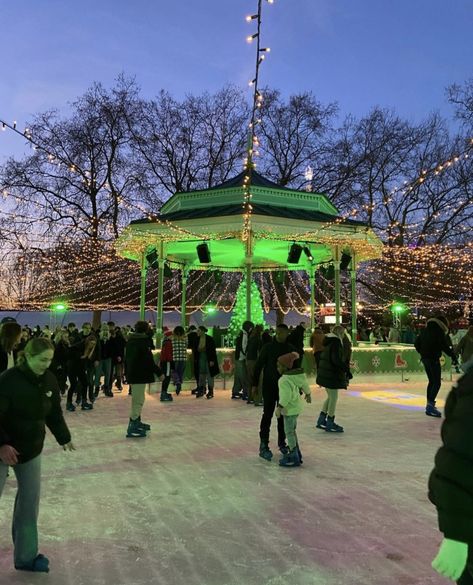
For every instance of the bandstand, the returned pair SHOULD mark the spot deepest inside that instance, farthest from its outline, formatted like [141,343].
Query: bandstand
[286,229]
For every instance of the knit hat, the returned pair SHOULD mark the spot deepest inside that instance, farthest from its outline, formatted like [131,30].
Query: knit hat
[287,360]
[168,333]
[8,320]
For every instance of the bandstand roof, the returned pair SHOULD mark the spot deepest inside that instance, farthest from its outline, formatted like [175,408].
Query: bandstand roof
[280,216]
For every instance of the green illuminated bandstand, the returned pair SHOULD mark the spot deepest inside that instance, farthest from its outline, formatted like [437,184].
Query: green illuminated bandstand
[285,229]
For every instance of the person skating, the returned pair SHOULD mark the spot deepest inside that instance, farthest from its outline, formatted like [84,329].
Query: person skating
[465,348]
[141,370]
[267,363]
[192,339]
[296,338]
[430,343]
[240,378]
[179,356]
[252,352]
[30,401]
[166,359]
[317,343]
[10,334]
[451,485]
[291,383]
[332,374]
[205,362]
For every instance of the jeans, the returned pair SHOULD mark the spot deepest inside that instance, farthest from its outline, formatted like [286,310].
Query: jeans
[240,379]
[25,514]
[137,400]
[179,369]
[290,424]
[270,398]
[106,370]
[93,379]
[434,372]
[78,380]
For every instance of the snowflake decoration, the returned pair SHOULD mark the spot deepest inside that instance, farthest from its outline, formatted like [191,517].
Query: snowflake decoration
[376,361]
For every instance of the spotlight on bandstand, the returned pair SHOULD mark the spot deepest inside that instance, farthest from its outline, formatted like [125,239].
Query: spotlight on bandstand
[294,254]
[152,259]
[203,253]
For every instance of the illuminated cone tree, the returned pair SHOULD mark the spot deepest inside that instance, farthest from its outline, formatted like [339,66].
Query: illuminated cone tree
[239,310]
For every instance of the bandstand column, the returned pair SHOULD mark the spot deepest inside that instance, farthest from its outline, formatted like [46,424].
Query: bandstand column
[143,285]
[336,257]
[312,297]
[184,275]
[159,308]
[354,332]
[249,273]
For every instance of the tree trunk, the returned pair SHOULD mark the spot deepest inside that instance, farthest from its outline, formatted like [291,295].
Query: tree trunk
[96,319]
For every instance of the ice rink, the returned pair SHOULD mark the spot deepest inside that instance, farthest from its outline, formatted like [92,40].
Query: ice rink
[193,504]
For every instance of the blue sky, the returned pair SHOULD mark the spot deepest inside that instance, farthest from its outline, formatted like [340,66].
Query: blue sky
[359,53]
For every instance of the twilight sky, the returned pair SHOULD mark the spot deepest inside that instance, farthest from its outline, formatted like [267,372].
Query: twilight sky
[359,53]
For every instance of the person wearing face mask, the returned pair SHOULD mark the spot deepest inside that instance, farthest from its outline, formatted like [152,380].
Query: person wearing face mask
[29,402]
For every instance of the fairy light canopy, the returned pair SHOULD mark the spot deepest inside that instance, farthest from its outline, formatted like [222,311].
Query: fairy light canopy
[280,217]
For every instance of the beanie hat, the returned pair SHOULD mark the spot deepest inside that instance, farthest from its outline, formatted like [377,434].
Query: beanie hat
[287,360]
[8,320]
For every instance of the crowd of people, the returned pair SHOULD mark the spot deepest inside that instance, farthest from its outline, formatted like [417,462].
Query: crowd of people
[40,366]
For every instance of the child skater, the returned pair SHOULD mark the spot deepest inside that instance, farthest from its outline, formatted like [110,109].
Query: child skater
[290,384]
[451,485]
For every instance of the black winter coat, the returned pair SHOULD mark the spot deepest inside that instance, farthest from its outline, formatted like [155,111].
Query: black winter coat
[28,404]
[451,481]
[3,360]
[432,341]
[140,366]
[332,371]
[211,352]
[117,347]
[267,362]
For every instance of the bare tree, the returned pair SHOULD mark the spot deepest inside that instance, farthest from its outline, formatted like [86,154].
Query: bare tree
[292,135]
[196,143]
[78,179]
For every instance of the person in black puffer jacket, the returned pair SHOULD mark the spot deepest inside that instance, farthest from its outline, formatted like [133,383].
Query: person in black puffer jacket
[332,373]
[431,342]
[29,402]
[141,370]
[451,485]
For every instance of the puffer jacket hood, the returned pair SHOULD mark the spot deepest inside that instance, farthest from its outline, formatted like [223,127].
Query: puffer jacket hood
[434,321]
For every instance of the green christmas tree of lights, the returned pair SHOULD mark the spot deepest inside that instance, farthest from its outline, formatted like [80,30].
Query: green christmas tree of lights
[239,310]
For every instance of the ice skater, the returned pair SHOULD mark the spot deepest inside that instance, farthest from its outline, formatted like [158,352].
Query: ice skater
[267,363]
[30,401]
[291,383]
[141,370]
[431,342]
[451,485]
[333,375]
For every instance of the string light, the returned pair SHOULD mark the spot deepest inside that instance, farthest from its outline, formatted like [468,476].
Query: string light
[253,142]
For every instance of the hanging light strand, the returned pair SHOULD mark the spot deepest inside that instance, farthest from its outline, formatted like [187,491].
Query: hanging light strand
[253,142]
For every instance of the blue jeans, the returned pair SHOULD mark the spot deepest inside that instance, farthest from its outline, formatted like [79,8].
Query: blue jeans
[240,379]
[25,514]
[179,369]
[106,370]
[434,373]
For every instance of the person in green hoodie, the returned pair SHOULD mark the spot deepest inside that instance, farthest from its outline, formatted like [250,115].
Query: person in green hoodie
[291,383]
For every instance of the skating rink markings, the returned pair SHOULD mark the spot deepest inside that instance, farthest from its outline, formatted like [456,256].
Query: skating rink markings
[397,399]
